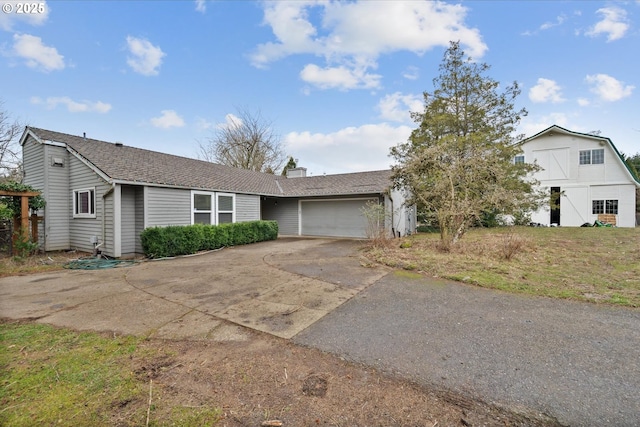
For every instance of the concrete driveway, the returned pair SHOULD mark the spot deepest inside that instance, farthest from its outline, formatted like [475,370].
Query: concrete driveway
[576,362]
[190,297]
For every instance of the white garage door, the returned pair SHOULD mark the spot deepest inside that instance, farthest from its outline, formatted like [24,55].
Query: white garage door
[334,218]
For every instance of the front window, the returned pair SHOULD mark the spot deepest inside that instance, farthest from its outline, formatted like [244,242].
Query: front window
[84,203]
[202,212]
[226,211]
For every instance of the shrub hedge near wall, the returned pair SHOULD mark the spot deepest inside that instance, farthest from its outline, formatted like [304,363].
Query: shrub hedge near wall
[160,242]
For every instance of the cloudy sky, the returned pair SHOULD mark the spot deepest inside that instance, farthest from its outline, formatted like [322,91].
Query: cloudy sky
[336,79]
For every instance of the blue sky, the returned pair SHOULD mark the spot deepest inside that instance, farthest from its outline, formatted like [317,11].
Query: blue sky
[336,79]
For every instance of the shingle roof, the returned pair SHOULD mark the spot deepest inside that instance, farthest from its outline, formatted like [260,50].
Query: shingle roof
[123,163]
[340,184]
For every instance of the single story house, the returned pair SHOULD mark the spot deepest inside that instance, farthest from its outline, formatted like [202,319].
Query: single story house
[588,175]
[106,193]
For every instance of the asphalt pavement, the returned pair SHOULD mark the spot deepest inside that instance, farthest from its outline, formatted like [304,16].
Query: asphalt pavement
[576,362]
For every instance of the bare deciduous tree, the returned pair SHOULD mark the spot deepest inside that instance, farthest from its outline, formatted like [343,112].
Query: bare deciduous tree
[10,131]
[246,141]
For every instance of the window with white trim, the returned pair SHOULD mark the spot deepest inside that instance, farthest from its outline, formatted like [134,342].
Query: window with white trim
[604,207]
[226,208]
[202,208]
[84,203]
[518,159]
[592,157]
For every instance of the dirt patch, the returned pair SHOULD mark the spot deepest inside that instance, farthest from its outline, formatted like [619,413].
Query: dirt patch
[267,378]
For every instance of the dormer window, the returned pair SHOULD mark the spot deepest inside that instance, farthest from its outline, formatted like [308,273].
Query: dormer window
[592,157]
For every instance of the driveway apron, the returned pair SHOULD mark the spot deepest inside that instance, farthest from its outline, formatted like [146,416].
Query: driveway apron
[191,297]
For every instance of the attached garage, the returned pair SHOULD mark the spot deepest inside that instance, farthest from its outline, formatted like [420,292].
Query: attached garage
[333,217]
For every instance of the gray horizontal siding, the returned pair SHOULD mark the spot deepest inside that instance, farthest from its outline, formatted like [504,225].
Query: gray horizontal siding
[33,166]
[82,229]
[128,220]
[33,163]
[284,211]
[247,207]
[139,195]
[58,199]
[167,206]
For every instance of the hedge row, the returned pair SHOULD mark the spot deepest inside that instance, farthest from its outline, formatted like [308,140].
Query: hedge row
[160,242]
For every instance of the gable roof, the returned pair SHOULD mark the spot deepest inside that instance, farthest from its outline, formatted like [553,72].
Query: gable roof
[129,165]
[559,129]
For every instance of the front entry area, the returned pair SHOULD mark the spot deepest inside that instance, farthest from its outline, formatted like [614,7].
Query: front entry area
[554,206]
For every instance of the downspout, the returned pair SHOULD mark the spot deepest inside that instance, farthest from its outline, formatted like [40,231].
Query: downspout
[393,230]
[104,211]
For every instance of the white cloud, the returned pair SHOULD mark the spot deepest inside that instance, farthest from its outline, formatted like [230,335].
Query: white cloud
[168,119]
[547,25]
[608,88]
[584,102]
[397,107]
[559,21]
[37,55]
[546,91]
[72,106]
[37,16]
[145,58]
[614,24]
[411,73]
[532,125]
[339,77]
[204,124]
[352,35]
[361,148]
[201,6]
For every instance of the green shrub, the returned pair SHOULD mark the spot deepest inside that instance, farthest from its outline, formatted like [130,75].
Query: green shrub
[159,242]
[427,229]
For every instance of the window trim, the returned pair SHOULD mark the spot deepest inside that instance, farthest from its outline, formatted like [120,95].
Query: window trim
[233,208]
[593,152]
[606,205]
[92,203]
[193,206]
[589,160]
[609,205]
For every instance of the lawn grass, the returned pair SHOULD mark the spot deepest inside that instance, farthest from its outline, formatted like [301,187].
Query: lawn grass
[589,264]
[51,376]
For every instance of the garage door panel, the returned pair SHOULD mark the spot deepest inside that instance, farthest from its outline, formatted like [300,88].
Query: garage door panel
[339,218]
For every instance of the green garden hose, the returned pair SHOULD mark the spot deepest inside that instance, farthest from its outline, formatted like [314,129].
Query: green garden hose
[97,263]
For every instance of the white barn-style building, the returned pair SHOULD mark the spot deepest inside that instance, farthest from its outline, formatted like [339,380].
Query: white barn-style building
[588,173]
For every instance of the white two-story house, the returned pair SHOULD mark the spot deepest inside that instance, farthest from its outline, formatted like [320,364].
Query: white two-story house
[586,174]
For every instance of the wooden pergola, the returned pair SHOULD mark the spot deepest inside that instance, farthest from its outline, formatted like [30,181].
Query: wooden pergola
[24,208]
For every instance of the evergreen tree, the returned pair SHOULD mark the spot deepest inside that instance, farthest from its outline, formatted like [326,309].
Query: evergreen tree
[459,162]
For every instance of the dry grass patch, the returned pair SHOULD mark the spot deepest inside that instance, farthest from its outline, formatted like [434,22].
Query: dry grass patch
[52,376]
[38,263]
[592,264]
